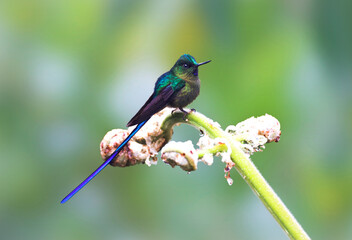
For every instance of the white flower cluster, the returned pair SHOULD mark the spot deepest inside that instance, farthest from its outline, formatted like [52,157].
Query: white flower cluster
[132,154]
[250,135]
[253,133]
[205,142]
[184,154]
[142,148]
[180,154]
[151,133]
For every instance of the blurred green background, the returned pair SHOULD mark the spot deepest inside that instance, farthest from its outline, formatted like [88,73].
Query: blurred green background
[71,70]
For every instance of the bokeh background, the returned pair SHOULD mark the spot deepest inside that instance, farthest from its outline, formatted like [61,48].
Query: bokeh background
[71,70]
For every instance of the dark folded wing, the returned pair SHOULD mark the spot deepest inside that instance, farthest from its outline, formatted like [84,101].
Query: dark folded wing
[152,106]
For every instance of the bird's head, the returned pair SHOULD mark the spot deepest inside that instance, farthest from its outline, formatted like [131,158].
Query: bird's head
[186,67]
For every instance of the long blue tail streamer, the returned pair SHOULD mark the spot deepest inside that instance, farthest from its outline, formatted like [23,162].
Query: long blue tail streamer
[113,155]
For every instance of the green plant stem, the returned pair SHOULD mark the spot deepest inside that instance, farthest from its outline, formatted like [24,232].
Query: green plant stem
[247,170]
[217,148]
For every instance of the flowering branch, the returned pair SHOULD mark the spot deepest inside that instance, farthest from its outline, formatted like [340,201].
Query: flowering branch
[234,145]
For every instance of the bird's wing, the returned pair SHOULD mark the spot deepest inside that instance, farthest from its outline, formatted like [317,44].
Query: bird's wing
[153,105]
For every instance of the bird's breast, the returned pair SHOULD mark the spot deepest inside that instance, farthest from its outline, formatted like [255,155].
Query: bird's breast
[186,95]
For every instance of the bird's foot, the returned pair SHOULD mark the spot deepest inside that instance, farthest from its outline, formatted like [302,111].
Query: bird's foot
[186,113]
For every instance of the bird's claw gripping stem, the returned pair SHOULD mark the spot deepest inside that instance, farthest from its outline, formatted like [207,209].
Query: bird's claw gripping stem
[185,112]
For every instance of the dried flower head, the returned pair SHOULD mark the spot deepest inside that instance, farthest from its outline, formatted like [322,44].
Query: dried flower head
[142,148]
[205,143]
[250,135]
[253,133]
[180,154]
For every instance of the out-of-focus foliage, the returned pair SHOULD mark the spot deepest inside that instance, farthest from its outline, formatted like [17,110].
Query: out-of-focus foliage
[71,70]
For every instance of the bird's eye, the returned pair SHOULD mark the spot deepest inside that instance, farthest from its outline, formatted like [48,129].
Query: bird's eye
[186,65]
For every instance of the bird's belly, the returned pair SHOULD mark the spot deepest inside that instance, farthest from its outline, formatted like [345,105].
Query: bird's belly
[184,97]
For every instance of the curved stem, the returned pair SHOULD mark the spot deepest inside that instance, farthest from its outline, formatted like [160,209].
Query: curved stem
[212,150]
[247,170]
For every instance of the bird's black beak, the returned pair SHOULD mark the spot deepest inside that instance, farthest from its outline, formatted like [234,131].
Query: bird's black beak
[199,64]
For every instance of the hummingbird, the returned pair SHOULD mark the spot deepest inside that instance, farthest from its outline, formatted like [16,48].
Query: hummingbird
[176,88]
